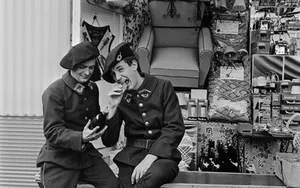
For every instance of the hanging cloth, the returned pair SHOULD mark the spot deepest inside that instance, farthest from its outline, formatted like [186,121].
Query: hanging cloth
[102,37]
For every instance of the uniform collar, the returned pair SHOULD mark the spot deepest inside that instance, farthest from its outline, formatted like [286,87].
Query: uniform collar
[145,90]
[74,84]
[147,87]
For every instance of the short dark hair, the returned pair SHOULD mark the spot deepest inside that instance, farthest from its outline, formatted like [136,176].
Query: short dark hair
[77,65]
[129,60]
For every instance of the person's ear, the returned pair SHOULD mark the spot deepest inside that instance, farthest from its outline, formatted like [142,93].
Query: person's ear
[134,64]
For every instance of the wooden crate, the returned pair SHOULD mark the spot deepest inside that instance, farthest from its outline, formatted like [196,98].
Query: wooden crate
[221,180]
[288,169]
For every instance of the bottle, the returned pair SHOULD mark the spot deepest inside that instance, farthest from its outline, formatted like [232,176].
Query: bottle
[192,109]
[206,162]
[217,161]
[212,148]
[211,155]
[221,152]
[98,120]
[232,154]
[192,165]
[201,158]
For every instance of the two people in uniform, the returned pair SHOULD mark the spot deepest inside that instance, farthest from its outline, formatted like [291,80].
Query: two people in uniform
[147,107]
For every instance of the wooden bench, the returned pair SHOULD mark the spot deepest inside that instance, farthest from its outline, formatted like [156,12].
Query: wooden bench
[192,179]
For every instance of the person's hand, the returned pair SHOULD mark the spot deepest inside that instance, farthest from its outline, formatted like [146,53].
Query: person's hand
[91,134]
[115,96]
[142,167]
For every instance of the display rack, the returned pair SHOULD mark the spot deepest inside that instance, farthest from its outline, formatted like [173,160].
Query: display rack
[275,52]
[274,27]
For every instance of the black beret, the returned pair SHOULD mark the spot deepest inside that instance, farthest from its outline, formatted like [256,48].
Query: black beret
[116,55]
[79,53]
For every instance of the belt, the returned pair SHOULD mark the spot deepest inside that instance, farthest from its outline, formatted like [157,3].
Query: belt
[141,143]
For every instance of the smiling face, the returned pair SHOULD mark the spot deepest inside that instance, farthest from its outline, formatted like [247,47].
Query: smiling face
[83,72]
[127,75]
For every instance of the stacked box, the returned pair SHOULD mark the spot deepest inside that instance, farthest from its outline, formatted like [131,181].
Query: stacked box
[263,36]
[290,105]
[261,111]
[275,105]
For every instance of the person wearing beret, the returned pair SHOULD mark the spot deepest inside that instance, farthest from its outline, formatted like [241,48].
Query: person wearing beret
[69,104]
[153,123]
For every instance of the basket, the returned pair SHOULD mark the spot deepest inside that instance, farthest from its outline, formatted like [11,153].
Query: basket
[287,168]
[288,164]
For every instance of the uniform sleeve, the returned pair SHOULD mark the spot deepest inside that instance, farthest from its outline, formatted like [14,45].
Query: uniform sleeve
[111,135]
[54,125]
[98,108]
[173,126]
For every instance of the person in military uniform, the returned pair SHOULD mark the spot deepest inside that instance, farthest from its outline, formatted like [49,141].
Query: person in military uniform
[69,104]
[153,122]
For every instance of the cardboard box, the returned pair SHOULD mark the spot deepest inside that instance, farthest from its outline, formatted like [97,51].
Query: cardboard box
[287,168]
[261,101]
[275,112]
[262,116]
[275,99]
[290,108]
[290,98]
[263,36]
[200,94]
[261,48]
[245,128]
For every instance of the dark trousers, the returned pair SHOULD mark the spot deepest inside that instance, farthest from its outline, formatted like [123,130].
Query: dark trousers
[99,175]
[160,172]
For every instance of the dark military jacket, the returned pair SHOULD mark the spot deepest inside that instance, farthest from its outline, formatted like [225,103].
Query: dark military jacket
[151,112]
[67,107]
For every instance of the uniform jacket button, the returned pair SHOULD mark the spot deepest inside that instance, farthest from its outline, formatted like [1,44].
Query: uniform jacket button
[144,114]
[141,105]
[85,118]
[150,132]
[147,123]
[138,96]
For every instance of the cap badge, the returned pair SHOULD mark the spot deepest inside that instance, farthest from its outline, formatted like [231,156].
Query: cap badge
[119,57]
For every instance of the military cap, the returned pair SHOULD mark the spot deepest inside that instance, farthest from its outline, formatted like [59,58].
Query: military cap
[116,55]
[79,53]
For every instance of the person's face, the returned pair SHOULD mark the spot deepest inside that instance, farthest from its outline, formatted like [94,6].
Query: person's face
[83,72]
[126,74]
